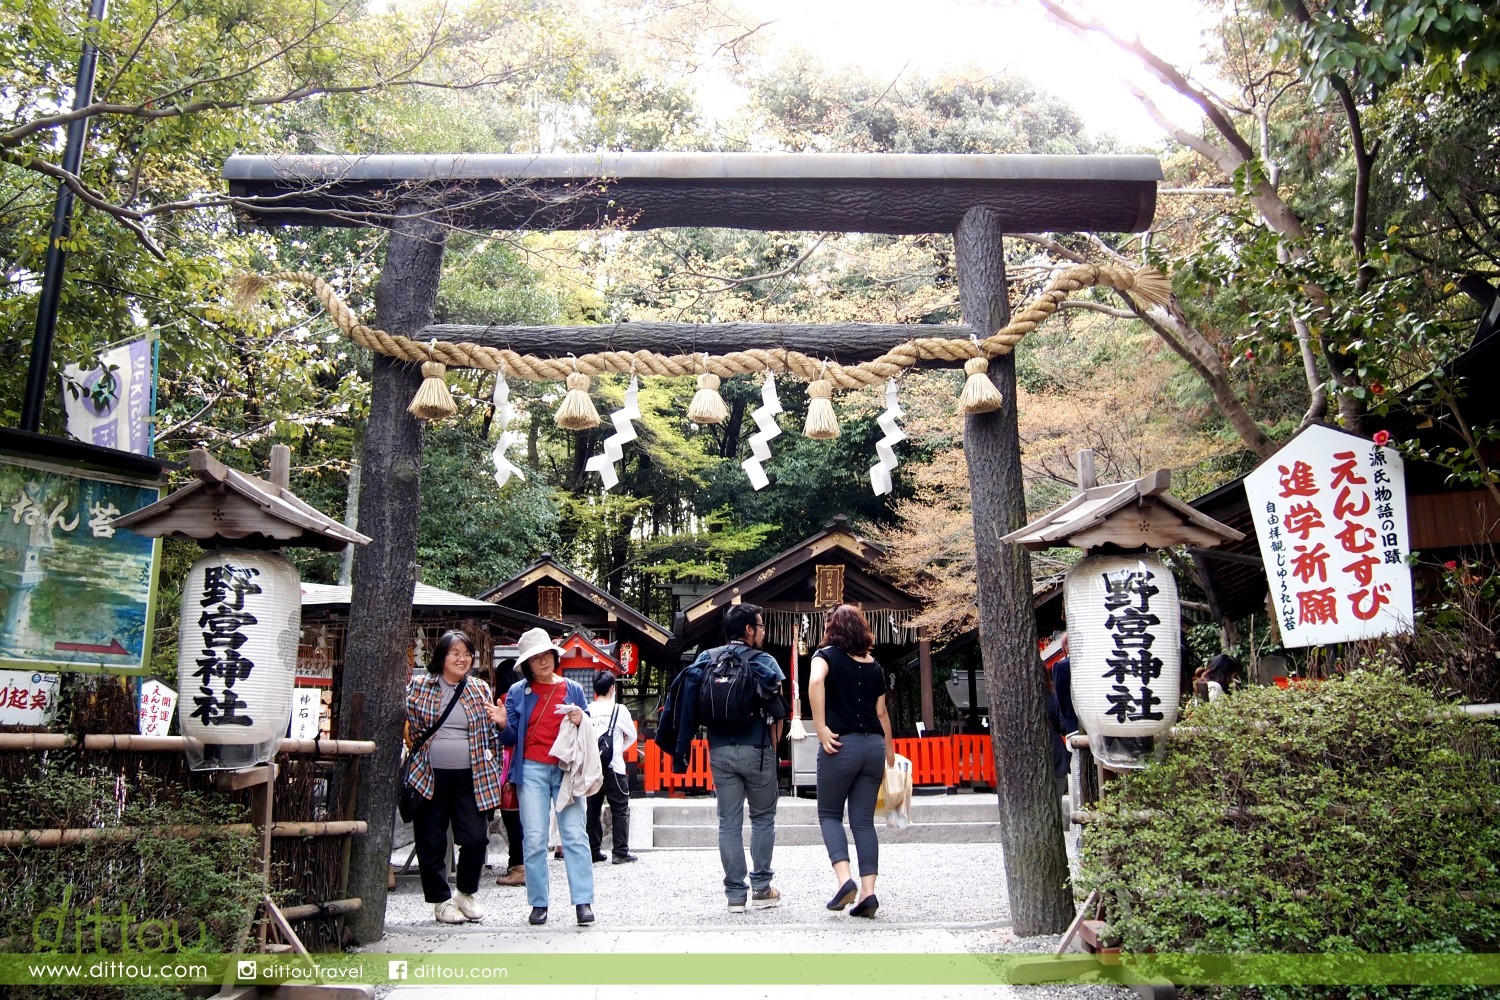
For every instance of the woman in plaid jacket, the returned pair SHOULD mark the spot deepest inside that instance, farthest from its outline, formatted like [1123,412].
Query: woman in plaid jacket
[456,772]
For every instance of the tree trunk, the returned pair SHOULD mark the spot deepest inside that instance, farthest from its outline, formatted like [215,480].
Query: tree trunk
[1031,831]
[374,678]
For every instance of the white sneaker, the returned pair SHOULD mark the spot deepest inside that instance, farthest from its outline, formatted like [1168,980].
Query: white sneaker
[447,912]
[468,905]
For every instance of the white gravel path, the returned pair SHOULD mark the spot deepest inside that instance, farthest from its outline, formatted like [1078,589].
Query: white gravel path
[934,898]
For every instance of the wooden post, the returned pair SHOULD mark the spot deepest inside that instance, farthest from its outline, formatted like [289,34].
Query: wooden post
[924,673]
[1031,822]
[385,571]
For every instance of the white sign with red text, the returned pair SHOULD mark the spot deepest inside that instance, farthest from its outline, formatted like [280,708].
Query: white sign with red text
[158,704]
[1330,514]
[27,698]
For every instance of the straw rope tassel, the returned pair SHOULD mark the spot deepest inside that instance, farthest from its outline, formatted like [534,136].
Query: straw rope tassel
[822,422]
[707,406]
[432,401]
[577,411]
[980,394]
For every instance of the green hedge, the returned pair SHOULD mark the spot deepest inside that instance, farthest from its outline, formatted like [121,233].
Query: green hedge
[1354,815]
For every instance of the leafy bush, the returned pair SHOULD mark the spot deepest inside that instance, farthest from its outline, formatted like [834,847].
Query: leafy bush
[180,893]
[1353,815]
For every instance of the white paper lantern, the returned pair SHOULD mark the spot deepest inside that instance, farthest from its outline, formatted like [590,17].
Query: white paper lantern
[1126,653]
[237,655]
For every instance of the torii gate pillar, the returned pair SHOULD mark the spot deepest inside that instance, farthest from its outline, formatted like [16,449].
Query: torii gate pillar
[1036,861]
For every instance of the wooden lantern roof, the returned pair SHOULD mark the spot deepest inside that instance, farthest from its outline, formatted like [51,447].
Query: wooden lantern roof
[228,505]
[1128,515]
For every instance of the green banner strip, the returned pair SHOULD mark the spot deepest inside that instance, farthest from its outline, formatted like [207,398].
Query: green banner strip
[759,969]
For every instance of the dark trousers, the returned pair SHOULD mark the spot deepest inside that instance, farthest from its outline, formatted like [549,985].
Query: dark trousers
[452,803]
[619,808]
[512,820]
[852,776]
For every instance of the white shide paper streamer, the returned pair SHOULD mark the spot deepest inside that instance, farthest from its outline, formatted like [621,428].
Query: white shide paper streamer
[614,445]
[880,472]
[764,416]
[504,467]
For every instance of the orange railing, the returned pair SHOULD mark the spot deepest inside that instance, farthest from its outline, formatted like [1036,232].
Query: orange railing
[935,760]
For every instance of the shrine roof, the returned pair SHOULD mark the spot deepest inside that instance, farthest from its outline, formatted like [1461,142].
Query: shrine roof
[546,569]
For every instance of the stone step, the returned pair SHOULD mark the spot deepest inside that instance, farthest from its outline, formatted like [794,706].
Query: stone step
[802,835]
[804,812]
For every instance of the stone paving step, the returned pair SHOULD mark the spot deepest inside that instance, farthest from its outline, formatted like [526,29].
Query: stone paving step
[947,809]
[803,835]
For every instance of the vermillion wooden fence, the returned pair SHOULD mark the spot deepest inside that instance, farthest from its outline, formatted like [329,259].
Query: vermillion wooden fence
[946,761]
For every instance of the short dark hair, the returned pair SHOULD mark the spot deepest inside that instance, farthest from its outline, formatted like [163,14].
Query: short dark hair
[846,628]
[440,649]
[604,682]
[525,665]
[738,617]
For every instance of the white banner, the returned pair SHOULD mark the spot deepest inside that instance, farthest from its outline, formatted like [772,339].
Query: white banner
[307,711]
[1330,514]
[26,698]
[110,406]
[158,702]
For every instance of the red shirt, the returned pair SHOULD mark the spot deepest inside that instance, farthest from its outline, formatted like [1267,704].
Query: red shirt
[545,722]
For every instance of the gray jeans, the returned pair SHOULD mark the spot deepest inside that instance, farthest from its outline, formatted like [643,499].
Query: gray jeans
[852,775]
[745,774]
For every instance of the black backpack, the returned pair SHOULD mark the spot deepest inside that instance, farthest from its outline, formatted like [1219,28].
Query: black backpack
[729,697]
[607,740]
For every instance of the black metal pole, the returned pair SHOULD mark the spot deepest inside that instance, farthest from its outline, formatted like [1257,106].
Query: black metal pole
[62,224]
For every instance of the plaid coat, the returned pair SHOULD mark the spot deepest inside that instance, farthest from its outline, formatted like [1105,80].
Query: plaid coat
[424,703]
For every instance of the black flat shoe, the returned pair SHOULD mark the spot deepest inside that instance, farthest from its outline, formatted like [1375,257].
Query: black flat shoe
[538,915]
[624,859]
[600,858]
[844,896]
[585,913]
[865,907]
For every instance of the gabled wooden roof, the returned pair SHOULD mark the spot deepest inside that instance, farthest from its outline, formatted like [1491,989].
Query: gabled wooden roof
[547,570]
[1140,512]
[781,579]
[226,503]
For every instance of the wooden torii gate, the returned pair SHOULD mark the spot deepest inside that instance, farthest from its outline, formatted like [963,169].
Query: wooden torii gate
[420,198]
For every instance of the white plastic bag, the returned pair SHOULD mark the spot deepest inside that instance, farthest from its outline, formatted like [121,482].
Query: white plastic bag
[895,794]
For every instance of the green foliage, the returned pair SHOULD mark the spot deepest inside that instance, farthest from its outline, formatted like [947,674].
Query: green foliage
[1370,44]
[473,536]
[1354,815]
[205,887]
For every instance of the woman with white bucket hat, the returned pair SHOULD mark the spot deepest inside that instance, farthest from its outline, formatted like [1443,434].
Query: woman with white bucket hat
[536,709]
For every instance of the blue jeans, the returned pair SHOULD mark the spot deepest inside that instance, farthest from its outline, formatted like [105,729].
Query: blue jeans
[745,774]
[537,791]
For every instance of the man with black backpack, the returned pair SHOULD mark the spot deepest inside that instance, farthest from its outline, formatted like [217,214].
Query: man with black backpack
[739,703]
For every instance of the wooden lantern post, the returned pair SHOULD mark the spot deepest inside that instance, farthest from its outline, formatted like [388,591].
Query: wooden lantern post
[224,507]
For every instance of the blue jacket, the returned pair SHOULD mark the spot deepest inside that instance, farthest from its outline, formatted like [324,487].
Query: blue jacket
[678,723]
[519,702]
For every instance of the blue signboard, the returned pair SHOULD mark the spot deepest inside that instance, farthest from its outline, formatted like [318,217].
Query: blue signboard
[75,592]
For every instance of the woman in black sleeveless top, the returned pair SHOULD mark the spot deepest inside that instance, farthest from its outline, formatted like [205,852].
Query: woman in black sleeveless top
[847,692]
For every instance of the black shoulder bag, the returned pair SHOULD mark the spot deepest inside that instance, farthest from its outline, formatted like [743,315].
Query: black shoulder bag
[406,796]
